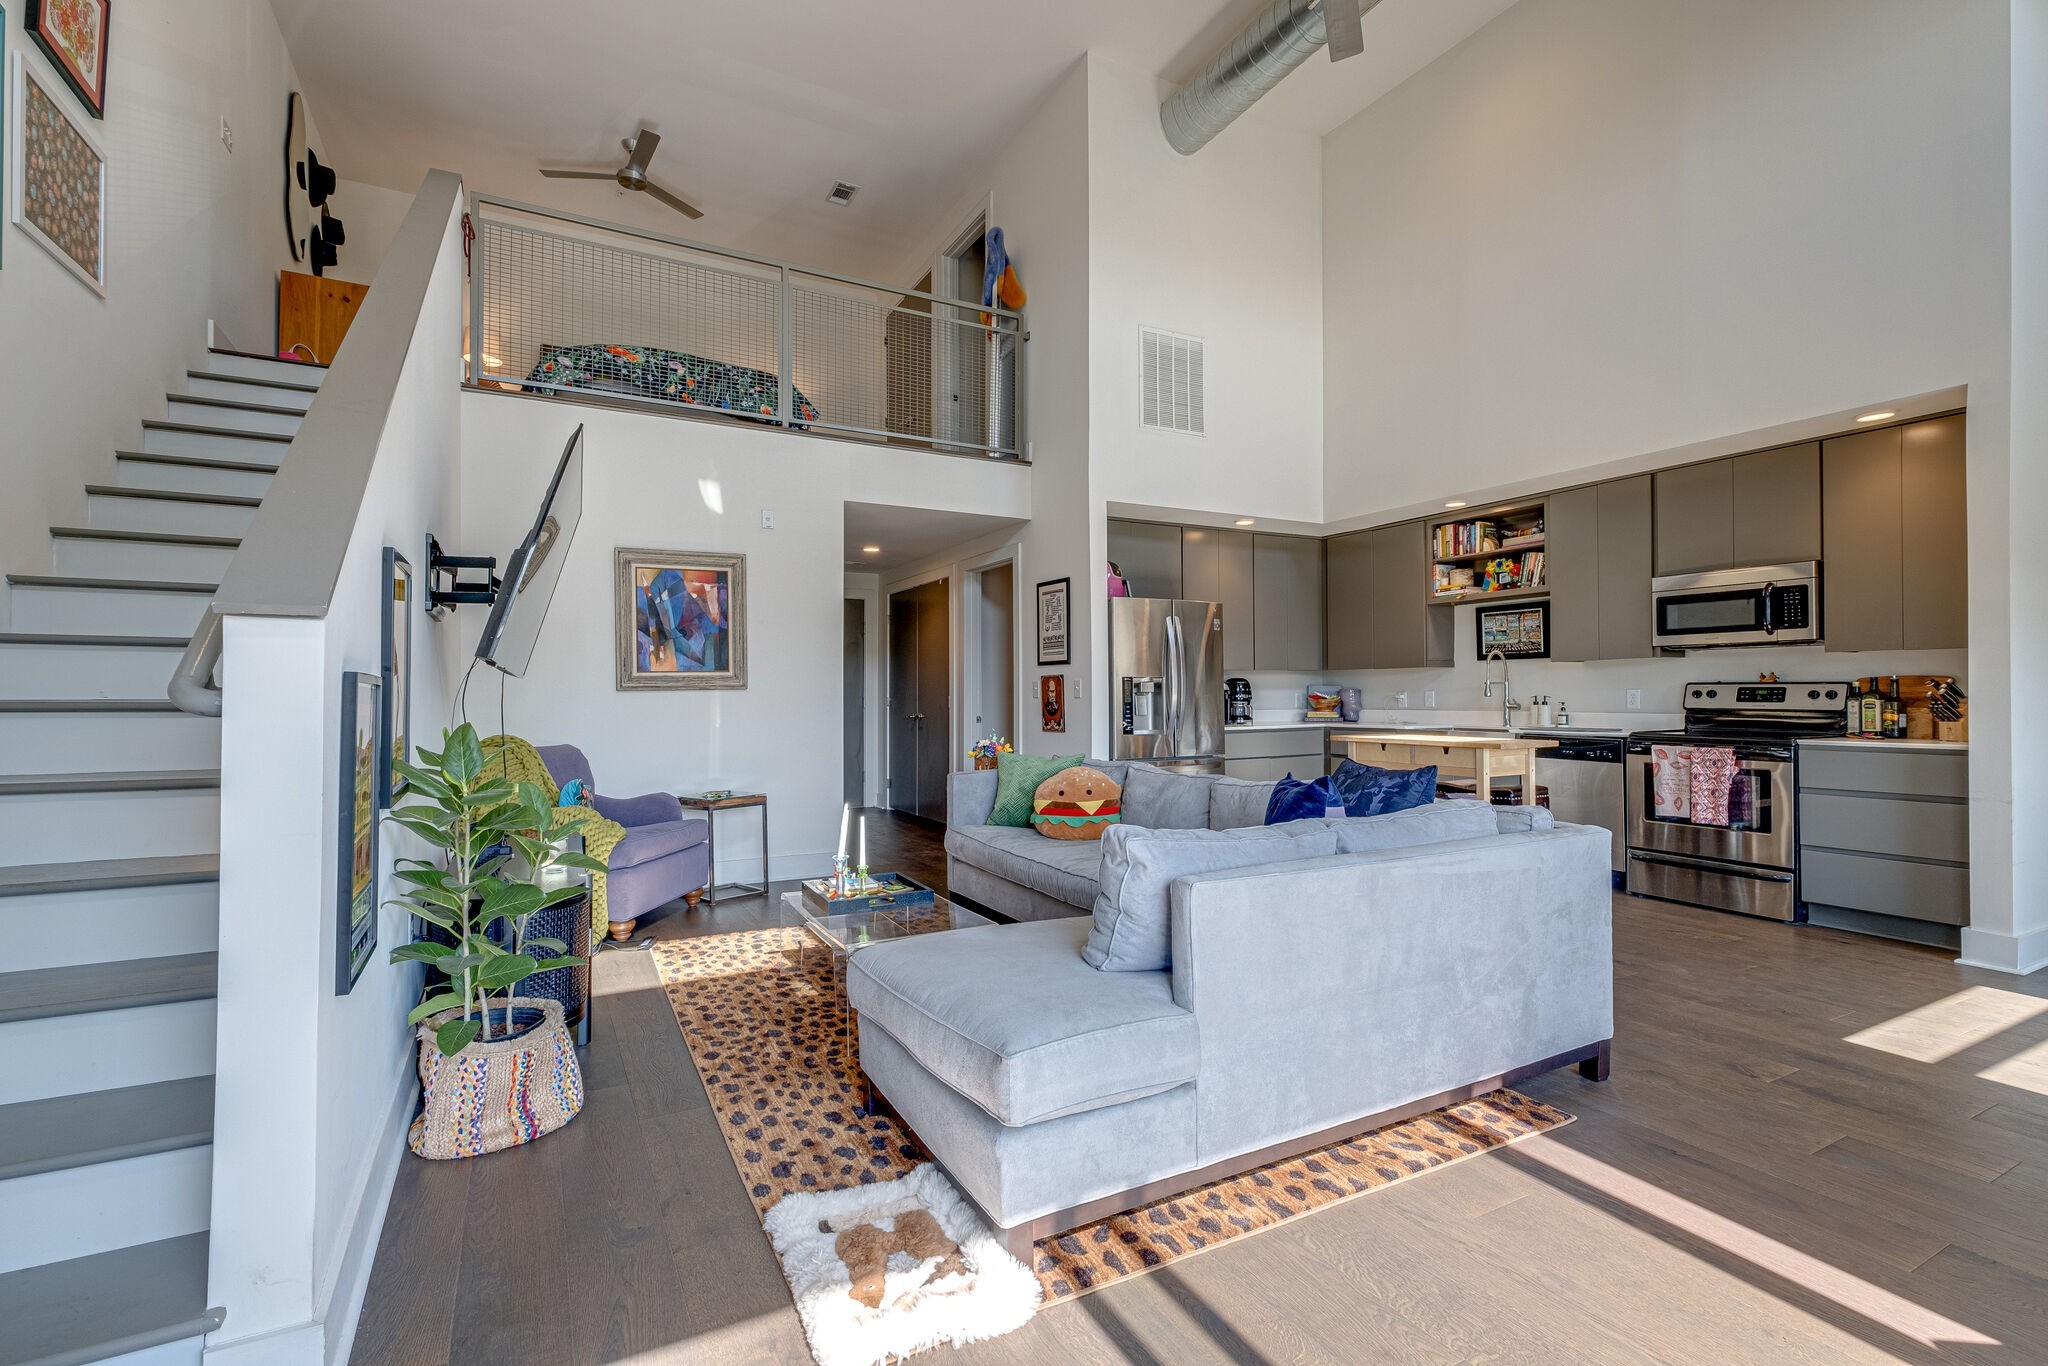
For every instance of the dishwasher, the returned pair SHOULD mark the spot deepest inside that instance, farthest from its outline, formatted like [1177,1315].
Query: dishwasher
[1584,775]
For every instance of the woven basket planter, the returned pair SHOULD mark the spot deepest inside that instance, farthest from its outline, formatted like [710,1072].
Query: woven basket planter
[499,1093]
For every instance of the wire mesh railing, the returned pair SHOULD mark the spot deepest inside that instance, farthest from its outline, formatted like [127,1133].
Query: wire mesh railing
[560,304]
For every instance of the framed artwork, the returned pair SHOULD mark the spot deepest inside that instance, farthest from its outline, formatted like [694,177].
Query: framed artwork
[682,619]
[1052,703]
[397,679]
[1052,621]
[355,908]
[1519,632]
[57,183]
[73,34]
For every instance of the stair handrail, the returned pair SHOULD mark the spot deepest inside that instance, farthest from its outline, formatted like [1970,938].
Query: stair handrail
[192,685]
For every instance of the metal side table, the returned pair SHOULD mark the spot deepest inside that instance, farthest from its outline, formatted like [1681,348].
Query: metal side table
[711,806]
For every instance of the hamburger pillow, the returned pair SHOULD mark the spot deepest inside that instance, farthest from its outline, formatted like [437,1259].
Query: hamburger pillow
[1076,804]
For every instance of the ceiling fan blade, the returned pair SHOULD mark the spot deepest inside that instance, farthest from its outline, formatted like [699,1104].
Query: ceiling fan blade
[643,150]
[1343,24]
[553,174]
[681,206]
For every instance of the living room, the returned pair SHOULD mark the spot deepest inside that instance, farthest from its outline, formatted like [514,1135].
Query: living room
[1608,282]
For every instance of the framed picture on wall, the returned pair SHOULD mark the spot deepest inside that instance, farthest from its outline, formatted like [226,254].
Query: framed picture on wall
[1053,646]
[397,679]
[355,908]
[57,178]
[682,619]
[1052,703]
[73,34]
[1519,632]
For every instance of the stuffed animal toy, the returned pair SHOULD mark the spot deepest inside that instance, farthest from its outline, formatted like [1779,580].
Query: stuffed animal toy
[1076,804]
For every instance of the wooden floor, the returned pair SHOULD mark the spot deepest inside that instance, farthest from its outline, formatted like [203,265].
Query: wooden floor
[1815,1148]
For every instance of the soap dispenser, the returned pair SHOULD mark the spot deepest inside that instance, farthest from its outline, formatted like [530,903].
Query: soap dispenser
[1564,715]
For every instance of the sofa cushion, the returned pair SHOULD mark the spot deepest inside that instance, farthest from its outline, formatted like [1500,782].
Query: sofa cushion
[1161,800]
[1513,820]
[1302,799]
[1130,930]
[1369,791]
[645,843]
[1063,869]
[1436,823]
[1017,778]
[1010,1016]
[1235,803]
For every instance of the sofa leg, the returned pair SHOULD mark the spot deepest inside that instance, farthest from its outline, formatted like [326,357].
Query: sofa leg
[1021,1242]
[623,929]
[1595,1067]
[691,899]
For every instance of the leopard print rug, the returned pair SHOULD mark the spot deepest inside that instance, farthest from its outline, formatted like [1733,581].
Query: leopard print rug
[765,1019]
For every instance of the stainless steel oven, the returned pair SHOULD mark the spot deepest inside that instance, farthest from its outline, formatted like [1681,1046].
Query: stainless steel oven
[1771,604]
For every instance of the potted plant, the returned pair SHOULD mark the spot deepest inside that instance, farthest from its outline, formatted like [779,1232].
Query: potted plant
[496,1069]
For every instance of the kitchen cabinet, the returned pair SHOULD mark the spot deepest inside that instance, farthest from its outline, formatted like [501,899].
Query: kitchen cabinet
[1884,838]
[1268,755]
[1378,614]
[1216,566]
[1760,508]
[1896,549]
[1352,594]
[1695,518]
[1287,590]
[1149,556]
[1599,551]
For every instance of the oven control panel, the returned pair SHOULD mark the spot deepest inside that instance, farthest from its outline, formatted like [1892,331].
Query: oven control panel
[1790,697]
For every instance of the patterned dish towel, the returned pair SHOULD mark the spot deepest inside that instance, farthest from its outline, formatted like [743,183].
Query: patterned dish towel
[1671,782]
[1713,777]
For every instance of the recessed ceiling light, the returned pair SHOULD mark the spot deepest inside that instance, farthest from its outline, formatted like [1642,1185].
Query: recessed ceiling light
[1876,417]
[1246,521]
[1455,503]
[871,550]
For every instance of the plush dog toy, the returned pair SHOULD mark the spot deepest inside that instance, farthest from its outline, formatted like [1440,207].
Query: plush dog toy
[1076,804]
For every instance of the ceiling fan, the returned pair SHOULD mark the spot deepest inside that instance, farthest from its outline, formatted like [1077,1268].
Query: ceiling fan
[633,175]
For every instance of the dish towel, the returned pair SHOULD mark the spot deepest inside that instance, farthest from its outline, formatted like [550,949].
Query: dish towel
[1671,782]
[1713,776]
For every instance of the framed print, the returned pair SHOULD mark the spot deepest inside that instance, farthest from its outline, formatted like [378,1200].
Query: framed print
[57,182]
[1519,632]
[73,34]
[397,679]
[1052,621]
[682,618]
[1052,703]
[355,901]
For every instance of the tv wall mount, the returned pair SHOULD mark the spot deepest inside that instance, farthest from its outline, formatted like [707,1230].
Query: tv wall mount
[446,587]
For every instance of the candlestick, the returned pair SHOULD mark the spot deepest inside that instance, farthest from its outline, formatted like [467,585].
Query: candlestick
[845,812]
[839,888]
[863,847]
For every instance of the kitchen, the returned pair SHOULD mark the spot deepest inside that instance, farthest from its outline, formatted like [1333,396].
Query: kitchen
[1885,848]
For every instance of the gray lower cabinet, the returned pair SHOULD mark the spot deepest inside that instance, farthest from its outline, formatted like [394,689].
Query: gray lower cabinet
[1597,543]
[1269,755]
[1377,614]
[1760,508]
[1884,840]
[1287,588]
[1149,556]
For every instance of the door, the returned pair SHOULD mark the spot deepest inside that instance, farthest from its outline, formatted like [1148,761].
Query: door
[934,700]
[853,723]
[995,708]
[903,702]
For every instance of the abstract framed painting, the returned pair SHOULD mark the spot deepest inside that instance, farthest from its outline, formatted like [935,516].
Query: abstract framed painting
[682,619]
[57,181]
[355,909]
[73,34]
[397,678]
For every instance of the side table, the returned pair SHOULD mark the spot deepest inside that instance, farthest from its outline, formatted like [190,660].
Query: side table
[711,806]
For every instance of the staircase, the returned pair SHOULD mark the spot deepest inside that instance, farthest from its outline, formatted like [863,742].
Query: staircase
[109,867]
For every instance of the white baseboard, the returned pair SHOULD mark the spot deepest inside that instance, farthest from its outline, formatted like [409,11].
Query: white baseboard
[299,1345]
[2019,954]
[352,1275]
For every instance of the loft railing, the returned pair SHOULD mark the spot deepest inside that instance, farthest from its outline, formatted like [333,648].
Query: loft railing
[567,305]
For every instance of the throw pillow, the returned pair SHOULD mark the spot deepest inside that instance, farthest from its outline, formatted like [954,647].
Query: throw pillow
[1017,780]
[1161,800]
[1368,791]
[1133,916]
[1076,804]
[1299,800]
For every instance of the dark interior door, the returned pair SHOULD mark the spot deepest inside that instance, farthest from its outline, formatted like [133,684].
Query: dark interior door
[903,701]
[934,699]
[854,722]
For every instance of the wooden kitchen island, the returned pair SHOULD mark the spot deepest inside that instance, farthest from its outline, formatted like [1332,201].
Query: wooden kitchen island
[1479,757]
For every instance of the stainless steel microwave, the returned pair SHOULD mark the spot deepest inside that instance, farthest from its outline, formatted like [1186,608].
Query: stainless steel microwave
[1768,604]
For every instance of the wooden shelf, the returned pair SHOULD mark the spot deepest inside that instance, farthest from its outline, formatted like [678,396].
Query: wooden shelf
[1541,590]
[1478,555]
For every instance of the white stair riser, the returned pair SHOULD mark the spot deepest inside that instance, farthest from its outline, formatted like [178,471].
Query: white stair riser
[170,441]
[147,474]
[118,672]
[241,419]
[64,826]
[76,1212]
[205,386]
[104,1049]
[95,742]
[41,609]
[104,513]
[256,367]
[111,925]
[84,558]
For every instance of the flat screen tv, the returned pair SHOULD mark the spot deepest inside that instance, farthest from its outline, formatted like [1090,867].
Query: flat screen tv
[534,567]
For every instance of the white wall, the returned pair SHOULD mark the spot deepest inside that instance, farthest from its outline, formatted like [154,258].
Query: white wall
[1225,245]
[193,232]
[370,214]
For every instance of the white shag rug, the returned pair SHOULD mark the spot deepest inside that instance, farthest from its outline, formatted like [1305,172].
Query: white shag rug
[895,1267]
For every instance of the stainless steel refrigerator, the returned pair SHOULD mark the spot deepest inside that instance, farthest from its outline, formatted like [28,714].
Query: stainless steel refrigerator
[1166,682]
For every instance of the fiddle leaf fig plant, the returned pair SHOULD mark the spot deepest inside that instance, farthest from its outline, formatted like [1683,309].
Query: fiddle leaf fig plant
[477,822]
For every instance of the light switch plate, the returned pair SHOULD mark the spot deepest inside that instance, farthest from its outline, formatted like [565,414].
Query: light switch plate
[767,520]
[1429,698]
[1401,699]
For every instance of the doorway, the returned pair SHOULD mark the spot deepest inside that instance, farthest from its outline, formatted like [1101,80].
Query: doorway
[995,652]
[920,699]
[853,724]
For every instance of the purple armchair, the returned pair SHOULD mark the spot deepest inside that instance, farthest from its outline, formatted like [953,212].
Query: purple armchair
[663,856]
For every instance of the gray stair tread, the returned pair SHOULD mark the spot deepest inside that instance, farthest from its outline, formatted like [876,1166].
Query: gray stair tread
[173,495]
[91,1308]
[199,462]
[111,585]
[238,433]
[48,992]
[150,705]
[254,382]
[98,642]
[51,1135]
[95,875]
[234,404]
[313,366]
[87,533]
[37,784]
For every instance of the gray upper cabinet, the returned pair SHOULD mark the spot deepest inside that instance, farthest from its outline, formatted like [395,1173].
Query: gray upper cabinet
[1378,615]
[1149,556]
[1934,542]
[1897,554]
[1597,540]
[1571,547]
[1695,518]
[1351,597]
[1776,501]
[1216,566]
[1287,586]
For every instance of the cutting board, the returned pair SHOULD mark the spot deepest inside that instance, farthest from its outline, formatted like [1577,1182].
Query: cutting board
[1913,690]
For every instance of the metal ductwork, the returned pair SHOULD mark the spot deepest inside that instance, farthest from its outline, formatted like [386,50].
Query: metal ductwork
[1259,58]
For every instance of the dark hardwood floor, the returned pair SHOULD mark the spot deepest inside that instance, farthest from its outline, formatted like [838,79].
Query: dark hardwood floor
[1815,1148]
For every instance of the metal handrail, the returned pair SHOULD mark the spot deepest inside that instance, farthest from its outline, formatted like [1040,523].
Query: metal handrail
[192,687]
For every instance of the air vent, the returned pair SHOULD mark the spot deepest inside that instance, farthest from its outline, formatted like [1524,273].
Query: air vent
[842,194]
[1171,381]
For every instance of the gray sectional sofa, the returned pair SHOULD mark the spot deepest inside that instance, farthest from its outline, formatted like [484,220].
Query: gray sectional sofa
[1264,991]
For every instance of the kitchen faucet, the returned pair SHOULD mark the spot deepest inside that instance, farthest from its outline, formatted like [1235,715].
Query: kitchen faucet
[1508,705]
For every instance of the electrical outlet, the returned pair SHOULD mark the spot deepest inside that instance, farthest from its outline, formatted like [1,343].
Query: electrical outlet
[1401,699]
[227,134]
[1429,698]
[1635,699]
[767,520]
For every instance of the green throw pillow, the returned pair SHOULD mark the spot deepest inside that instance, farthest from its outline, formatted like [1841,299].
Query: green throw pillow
[1017,780]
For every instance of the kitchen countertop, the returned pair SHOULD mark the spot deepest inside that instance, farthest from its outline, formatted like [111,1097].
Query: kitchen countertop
[1443,739]
[1276,725]
[1902,746]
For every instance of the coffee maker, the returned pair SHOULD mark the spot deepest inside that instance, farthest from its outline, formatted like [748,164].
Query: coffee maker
[1237,702]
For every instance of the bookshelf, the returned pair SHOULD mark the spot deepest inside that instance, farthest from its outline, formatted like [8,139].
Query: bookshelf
[1489,555]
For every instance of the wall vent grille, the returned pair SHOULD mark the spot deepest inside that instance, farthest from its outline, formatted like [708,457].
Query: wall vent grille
[1171,381]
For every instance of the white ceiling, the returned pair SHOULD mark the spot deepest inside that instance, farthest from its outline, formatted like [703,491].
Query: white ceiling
[762,105]
[908,536]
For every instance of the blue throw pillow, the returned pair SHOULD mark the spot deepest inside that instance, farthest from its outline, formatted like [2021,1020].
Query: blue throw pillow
[1293,800]
[1368,791]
